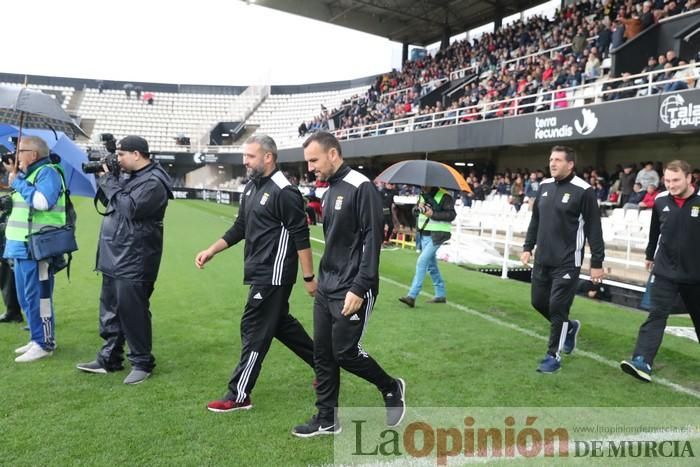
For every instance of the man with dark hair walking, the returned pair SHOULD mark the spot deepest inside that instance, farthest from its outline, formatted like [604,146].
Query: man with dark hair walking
[347,287]
[564,215]
[271,216]
[672,257]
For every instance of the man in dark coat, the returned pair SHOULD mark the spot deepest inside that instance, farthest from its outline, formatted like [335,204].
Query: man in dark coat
[128,256]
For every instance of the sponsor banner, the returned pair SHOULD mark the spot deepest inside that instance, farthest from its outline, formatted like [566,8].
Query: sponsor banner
[679,111]
[634,436]
[219,196]
[619,118]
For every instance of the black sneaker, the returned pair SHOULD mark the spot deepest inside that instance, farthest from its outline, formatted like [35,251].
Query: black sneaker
[316,426]
[395,403]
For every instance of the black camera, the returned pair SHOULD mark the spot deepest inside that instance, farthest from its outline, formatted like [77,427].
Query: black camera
[105,156]
[98,160]
[418,209]
[8,158]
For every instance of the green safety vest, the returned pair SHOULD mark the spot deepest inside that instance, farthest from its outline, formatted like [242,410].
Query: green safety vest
[433,225]
[18,223]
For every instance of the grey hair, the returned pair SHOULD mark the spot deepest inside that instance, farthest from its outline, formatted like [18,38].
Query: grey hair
[267,144]
[39,145]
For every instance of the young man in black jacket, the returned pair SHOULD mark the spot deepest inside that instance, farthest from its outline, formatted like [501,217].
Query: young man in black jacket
[674,260]
[272,221]
[564,215]
[128,256]
[348,284]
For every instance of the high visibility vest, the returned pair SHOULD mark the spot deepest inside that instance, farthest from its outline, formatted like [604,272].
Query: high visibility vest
[18,223]
[433,225]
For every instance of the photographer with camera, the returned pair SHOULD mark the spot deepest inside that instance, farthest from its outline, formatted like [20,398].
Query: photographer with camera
[435,212]
[38,201]
[128,256]
[13,313]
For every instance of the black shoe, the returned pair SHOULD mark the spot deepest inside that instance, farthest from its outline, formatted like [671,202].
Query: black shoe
[316,426]
[395,403]
[97,368]
[437,300]
[410,301]
[11,318]
[92,367]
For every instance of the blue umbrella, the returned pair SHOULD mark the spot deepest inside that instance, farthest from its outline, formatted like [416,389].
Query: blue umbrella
[72,157]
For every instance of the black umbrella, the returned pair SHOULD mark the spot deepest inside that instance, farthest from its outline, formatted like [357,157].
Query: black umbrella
[26,108]
[424,173]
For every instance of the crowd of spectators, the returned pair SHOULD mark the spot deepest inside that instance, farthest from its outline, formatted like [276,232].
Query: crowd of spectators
[633,186]
[511,75]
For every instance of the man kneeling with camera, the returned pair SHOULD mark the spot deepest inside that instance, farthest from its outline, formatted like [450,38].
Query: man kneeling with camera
[128,256]
[38,202]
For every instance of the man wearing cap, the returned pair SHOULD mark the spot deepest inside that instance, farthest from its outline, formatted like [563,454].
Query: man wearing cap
[128,256]
[38,200]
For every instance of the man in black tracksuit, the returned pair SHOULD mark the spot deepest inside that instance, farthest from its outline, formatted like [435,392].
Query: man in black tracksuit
[564,215]
[128,256]
[388,192]
[272,221]
[674,260]
[348,286]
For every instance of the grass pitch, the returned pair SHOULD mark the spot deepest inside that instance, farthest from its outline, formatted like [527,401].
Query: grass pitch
[479,350]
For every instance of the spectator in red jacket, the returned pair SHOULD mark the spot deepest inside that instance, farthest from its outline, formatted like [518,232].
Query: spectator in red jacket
[648,200]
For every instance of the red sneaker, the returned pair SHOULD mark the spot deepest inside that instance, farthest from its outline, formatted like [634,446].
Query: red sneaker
[229,405]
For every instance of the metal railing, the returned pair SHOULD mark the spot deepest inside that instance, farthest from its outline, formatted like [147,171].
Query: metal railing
[574,96]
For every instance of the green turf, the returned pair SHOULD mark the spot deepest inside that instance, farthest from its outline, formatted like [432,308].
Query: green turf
[51,414]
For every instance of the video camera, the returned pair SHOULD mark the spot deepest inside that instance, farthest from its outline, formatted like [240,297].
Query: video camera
[105,156]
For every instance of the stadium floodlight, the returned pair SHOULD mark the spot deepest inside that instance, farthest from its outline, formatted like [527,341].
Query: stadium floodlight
[460,164]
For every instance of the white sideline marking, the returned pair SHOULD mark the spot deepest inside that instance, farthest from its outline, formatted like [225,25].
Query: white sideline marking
[593,356]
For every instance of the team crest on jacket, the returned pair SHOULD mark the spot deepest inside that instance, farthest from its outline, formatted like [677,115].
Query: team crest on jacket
[264,198]
[694,211]
[338,203]
[565,198]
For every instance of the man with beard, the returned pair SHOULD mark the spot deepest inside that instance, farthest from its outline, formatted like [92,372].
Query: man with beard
[271,214]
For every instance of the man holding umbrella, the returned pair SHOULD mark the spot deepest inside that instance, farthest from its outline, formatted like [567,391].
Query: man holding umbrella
[39,200]
[435,212]
[435,215]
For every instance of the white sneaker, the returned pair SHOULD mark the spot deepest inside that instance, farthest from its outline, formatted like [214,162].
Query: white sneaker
[34,353]
[24,348]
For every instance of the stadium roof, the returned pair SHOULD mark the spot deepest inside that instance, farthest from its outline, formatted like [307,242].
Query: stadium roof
[419,22]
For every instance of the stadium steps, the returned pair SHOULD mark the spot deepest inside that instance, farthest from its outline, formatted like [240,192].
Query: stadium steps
[88,125]
[247,133]
[75,101]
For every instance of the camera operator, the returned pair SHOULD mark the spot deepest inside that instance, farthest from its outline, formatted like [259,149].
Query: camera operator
[128,256]
[435,214]
[13,313]
[38,200]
